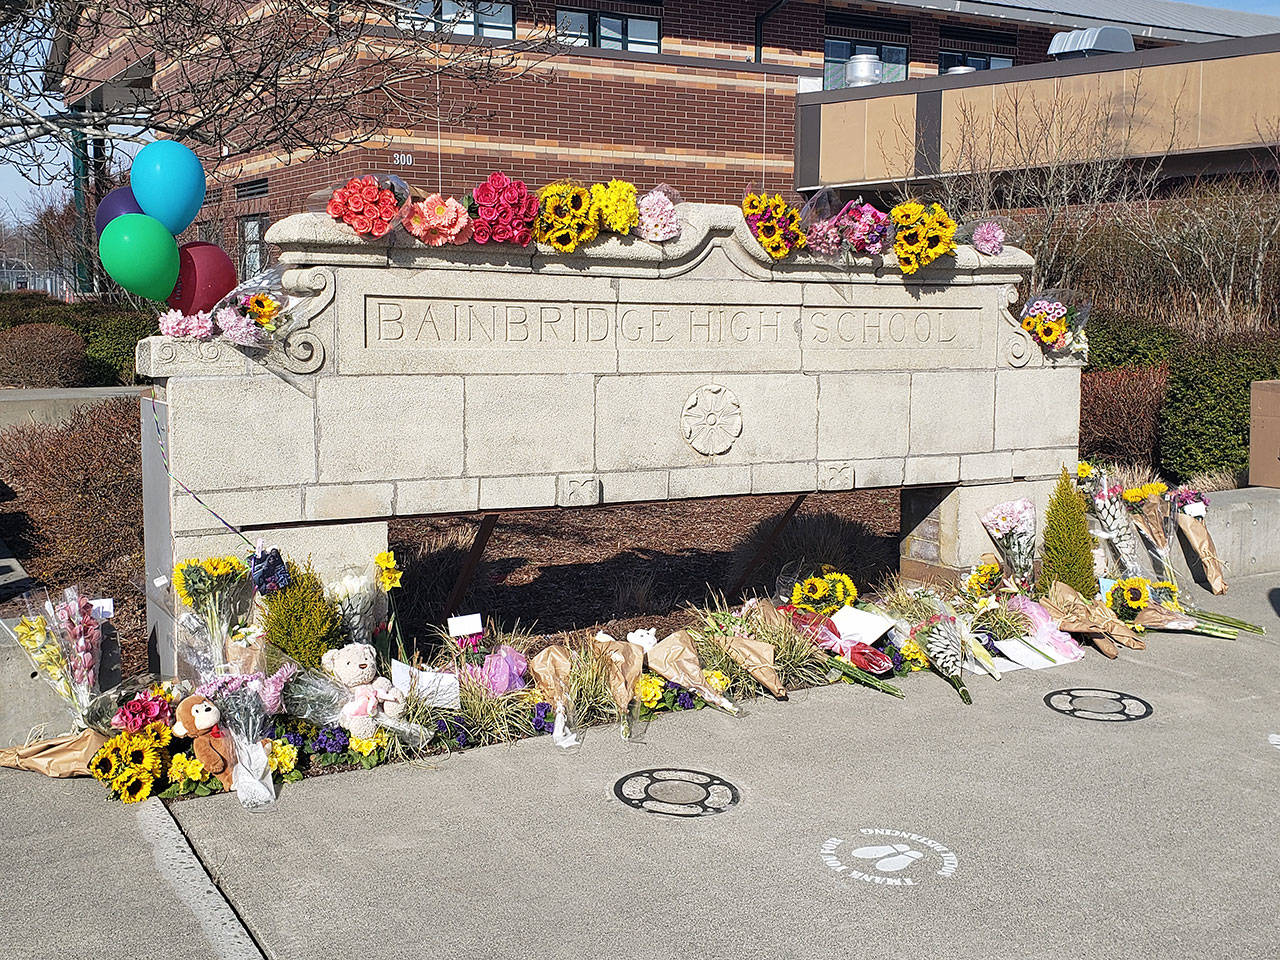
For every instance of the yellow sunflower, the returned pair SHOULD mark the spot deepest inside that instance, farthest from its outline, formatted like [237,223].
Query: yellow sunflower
[753,205]
[906,214]
[105,765]
[263,307]
[135,786]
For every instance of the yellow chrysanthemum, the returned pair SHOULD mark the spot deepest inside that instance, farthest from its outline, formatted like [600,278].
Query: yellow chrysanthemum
[616,201]
[649,689]
[716,680]
[178,768]
[284,755]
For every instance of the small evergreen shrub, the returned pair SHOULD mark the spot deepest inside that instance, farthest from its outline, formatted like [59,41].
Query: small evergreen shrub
[1068,545]
[1204,424]
[300,619]
[110,332]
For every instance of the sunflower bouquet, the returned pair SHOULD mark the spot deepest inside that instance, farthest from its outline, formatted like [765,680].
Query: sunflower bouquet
[824,593]
[1154,605]
[1057,324]
[774,223]
[253,314]
[923,234]
[216,590]
[568,216]
[131,764]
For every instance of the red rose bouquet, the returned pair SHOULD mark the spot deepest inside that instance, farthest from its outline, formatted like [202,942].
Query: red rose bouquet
[369,205]
[502,211]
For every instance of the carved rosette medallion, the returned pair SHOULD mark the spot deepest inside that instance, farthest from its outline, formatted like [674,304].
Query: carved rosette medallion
[712,419]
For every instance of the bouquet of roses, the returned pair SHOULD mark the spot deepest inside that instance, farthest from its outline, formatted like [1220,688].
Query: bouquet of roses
[1104,502]
[369,205]
[1057,324]
[1012,528]
[502,210]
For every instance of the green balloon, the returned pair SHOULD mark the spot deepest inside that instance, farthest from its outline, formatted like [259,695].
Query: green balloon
[139,253]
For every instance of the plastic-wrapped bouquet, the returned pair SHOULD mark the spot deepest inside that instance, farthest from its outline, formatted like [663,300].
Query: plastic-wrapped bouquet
[657,211]
[988,238]
[369,205]
[254,312]
[64,644]
[1103,500]
[923,235]
[864,230]
[1056,320]
[502,210]
[216,590]
[774,223]
[1012,528]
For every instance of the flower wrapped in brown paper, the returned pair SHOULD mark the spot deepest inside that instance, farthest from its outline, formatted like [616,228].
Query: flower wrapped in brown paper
[1154,522]
[754,656]
[676,658]
[768,614]
[1197,534]
[58,757]
[550,671]
[1091,618]
[1156,617]
[625,663]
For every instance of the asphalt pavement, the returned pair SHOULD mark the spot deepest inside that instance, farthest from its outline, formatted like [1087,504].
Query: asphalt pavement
[864,826]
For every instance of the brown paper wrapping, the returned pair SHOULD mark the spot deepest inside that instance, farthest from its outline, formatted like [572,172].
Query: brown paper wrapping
[59,757]
[676,658]
[1092,618]
[1197,534]
[771,616]
[1150,519]
[626,663]
[244,658]
[756,657]
[550,671]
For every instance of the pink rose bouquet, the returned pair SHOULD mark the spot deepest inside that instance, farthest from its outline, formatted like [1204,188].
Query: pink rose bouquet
[145,708]
[369,205]
[437,221]
[863,228]
[502,210]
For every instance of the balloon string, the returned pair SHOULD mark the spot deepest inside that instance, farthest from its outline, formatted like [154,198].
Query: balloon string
[164,457]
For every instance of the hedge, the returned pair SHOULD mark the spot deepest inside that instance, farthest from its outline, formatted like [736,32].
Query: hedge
[41,355]
[110,332]
[1204,424]
[1116,341]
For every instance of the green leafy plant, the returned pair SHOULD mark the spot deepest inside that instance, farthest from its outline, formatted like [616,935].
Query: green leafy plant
[1068,546]
[1124,341]
[300,619]
[1205,421]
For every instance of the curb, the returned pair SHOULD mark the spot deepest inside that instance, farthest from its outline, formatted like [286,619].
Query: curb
[178,863]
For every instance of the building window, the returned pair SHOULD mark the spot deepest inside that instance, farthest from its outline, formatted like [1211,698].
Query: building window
[478,19]
[252,234]
[979,61]
[609,31]
[837,52]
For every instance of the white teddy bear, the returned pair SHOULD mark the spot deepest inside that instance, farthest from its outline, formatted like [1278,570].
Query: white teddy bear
[356,667]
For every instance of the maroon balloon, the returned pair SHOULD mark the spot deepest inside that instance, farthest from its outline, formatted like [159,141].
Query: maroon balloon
[116,203]
[205,275]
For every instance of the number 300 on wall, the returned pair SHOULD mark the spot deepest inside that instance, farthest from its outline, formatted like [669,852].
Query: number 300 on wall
[402,159]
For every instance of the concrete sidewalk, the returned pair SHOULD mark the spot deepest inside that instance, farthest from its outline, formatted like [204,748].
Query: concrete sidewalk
[1069,837]
[1041,835]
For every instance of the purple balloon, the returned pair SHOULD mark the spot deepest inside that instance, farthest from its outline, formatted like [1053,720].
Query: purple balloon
[115,204]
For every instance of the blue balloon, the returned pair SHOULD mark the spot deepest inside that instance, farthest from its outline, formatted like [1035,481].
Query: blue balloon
[168,183]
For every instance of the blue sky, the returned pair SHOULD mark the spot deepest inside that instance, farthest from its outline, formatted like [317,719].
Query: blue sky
[1271,7]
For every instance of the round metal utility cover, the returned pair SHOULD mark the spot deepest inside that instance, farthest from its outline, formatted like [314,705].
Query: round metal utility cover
[1107,706]
[676,793]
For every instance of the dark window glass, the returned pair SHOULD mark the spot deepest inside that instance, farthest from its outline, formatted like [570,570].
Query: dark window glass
[609,31]
[836,53]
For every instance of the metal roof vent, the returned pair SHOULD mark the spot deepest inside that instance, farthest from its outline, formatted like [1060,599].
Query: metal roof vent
[1093,42]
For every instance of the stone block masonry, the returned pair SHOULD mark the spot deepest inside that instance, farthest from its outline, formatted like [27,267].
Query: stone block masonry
[418,381]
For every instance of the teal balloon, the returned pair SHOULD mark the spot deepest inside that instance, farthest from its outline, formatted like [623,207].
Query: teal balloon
[139,253]
[168,182]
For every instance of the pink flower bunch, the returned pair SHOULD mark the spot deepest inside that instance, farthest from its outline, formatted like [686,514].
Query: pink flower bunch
[198,326]
[437,221]
[988,238]
[470,643]
[1052,308]
[143,709]
[238,327]
[657,217]
[84,635]
[1185,496]
[863,228]
[503,671]
[824,237]
[504,211]
[272,689]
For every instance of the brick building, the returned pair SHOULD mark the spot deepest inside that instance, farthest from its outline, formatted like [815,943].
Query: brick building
[700,94]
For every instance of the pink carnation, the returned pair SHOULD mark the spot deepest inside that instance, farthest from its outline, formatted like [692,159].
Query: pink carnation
[657,217]
[200,325]
[238,327]
[824,238]
[988,238]
[173,324]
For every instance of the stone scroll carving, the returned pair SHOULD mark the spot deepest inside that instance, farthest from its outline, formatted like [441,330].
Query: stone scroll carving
[1016,346]
[712,419]
[301,352]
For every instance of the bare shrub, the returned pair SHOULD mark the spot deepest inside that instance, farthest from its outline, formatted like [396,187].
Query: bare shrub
[80,485]
[817,538]
[41,355]
[1120,413]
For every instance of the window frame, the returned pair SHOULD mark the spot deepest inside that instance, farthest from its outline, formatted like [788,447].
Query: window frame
[854,44]
[259,244]
[434,18]
[593,29]
[967,56]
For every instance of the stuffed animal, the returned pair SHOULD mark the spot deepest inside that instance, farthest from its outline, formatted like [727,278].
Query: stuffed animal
[356,667]
[198,719]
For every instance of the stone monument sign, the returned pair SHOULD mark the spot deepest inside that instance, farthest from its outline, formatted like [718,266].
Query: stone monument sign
[420,380]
